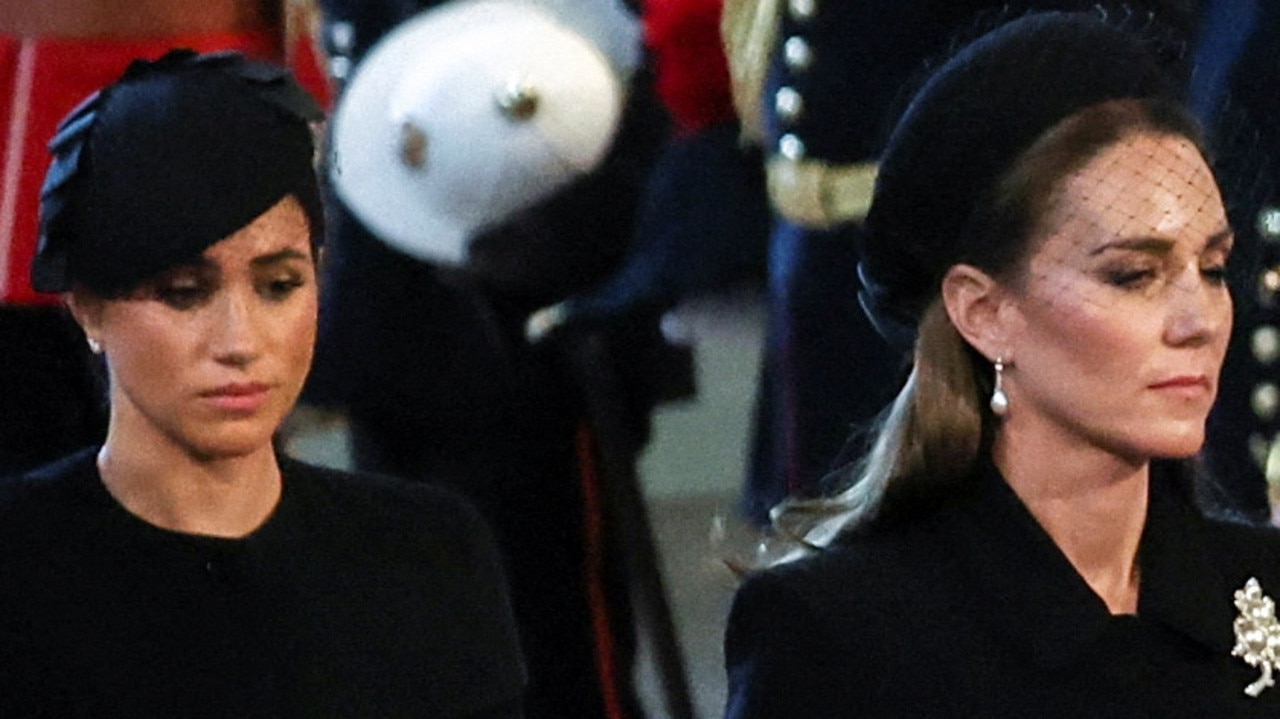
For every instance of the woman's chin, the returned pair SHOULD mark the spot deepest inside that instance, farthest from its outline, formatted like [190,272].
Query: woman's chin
[231,443]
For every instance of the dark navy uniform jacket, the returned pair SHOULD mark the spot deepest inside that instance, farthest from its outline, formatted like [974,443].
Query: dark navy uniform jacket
[1235,91]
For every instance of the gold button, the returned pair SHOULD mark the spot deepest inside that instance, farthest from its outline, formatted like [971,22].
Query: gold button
[797,54]
[413,146]
[1265,399]
[517,100]
[1269,223]
[1266,344]
[1271,469]
[788,104]
[1268,286]
[802,9]
[791,147]
[1259,449]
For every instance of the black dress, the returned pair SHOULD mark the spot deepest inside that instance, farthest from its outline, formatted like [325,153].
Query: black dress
[359,597]
[973,611]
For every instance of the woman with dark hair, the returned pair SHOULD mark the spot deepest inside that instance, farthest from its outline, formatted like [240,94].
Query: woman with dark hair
[1024,537]
[185,568]
[52,54]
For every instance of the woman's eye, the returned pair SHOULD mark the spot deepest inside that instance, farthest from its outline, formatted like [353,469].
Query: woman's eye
[182,295]
[281,287]
[1215,274]
[1131,278]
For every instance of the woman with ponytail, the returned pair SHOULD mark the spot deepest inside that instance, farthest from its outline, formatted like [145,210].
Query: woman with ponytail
[1024,536]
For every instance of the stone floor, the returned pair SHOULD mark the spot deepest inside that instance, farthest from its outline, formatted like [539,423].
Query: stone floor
[699,589]
[692,471]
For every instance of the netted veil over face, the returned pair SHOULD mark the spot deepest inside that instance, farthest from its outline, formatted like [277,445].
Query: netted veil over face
[964,128]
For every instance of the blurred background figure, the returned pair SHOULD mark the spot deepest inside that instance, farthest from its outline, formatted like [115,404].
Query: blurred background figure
[1233,90]
[703,218]
[53,54]
[487,159]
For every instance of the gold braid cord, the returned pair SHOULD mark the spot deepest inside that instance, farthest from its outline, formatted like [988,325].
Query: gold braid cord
[810,193]
[748,29]
[817,194]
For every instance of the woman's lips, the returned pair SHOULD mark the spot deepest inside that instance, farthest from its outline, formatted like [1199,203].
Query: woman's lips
[1185,386]
[240,398]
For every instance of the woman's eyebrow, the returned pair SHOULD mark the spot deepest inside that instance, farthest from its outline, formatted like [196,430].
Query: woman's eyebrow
[1224,237]
[1162,245]
[1152,245]
[281,256]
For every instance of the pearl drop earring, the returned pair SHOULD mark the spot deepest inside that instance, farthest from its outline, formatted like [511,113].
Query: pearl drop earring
[999,400]
[94,346]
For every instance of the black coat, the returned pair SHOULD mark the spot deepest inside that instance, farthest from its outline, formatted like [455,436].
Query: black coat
[973,611]
[360,596]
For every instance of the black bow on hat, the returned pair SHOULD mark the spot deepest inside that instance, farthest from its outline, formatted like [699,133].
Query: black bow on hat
[177,154]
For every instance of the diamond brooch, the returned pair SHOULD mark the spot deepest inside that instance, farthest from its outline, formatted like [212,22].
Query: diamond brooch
[1257,634]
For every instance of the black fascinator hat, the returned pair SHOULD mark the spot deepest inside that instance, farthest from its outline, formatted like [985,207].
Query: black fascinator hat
[177,154]
[966,127]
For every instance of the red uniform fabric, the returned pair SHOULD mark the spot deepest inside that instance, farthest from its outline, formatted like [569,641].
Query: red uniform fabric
[692,74]
[41,80]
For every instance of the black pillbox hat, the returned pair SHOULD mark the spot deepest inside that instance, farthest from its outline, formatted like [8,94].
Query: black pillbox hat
[177,154]
[965,128]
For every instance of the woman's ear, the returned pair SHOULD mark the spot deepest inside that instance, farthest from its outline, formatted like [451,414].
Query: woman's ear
[978,307]
[86,310]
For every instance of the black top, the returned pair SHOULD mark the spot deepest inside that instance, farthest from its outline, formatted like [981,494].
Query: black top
[360,596]
[975,612]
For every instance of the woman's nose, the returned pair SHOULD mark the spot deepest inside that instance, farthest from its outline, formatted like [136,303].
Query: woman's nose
[1201,309]
[235,335]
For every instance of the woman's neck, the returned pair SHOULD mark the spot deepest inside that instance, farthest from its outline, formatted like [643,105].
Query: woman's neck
[169,488]
[1091,503]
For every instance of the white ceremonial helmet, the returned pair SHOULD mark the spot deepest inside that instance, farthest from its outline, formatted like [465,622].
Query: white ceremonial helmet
[465,114]
[608,24]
